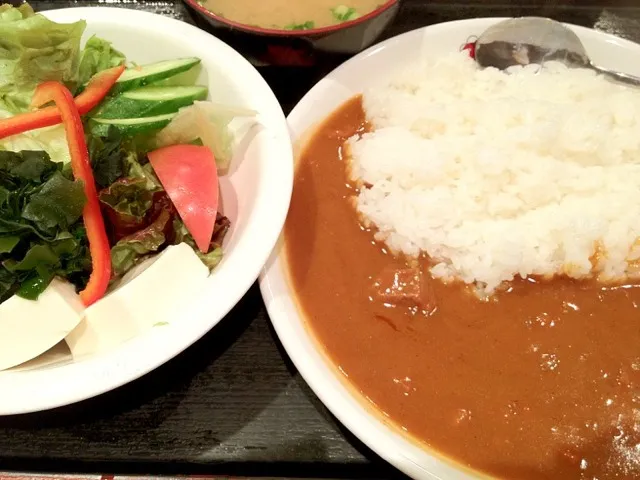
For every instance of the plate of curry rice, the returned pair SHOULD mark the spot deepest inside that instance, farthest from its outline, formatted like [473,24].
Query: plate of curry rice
[458,277]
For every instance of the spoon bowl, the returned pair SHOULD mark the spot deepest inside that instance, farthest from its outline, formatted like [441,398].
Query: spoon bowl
[536,40]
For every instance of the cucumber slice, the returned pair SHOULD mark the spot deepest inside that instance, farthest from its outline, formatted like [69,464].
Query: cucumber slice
[129,126]
[149,102]
[140,76]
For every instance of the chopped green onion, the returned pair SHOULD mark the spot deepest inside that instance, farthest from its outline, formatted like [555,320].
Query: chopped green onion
[342,13]
[300,26]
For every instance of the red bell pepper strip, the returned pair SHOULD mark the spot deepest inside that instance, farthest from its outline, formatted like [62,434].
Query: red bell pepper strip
[92,216]
[96,90]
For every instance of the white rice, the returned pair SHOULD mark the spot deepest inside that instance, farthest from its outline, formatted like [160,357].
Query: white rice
[495,175]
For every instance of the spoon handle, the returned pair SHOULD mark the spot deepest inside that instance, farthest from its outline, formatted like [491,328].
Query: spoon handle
[618,76]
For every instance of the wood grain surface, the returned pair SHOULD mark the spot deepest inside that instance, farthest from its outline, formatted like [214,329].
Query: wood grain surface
[233,404]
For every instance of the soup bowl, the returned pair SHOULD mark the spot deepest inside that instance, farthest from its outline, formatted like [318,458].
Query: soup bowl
[351,406]
[254,194]
[297,47]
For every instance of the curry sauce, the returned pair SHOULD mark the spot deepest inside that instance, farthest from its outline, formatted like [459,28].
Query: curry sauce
[542,381]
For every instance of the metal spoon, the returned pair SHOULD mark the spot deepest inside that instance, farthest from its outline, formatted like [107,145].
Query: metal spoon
[525,40]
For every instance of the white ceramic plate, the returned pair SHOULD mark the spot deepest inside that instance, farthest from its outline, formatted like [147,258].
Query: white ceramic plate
[255,197]
[353,77]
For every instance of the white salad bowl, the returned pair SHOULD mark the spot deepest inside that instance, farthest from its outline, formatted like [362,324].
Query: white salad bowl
[255,196]
[329,384]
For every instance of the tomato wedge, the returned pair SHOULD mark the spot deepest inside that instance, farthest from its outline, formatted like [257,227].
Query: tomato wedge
[188,174]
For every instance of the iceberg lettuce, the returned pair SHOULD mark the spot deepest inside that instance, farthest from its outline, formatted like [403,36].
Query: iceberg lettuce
[34,49]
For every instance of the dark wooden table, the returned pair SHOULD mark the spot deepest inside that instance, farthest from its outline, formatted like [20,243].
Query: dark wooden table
[233,404]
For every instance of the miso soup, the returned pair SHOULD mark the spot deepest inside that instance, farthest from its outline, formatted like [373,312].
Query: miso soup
[291,15]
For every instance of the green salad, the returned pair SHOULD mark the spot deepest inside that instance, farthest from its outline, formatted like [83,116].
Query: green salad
[88,200]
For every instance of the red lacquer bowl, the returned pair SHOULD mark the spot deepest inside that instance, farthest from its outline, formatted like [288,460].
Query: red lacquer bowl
[299,47]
